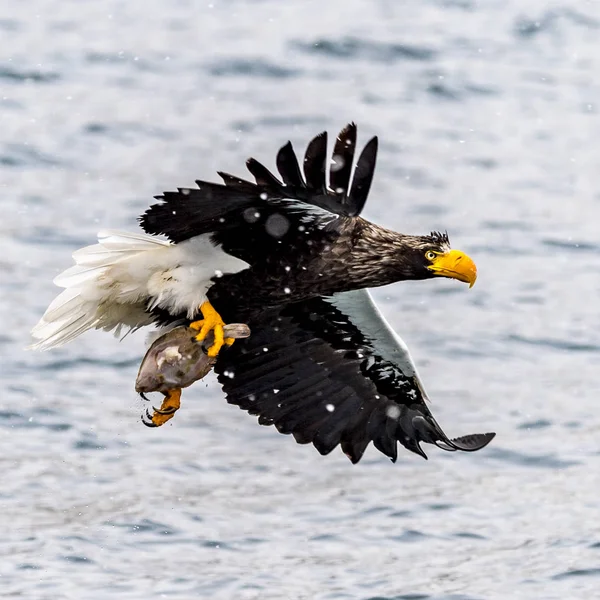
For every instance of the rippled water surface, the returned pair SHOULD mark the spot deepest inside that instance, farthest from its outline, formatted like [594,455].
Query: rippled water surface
[487,114]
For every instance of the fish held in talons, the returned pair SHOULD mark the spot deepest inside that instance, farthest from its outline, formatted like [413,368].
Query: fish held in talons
[174,361]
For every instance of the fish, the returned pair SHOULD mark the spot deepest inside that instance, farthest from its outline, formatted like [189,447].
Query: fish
[174,361]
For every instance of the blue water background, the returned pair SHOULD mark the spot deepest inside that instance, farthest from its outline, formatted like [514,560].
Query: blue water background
[487,114]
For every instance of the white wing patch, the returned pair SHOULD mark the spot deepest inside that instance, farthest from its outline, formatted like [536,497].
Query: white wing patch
[363,312]
[113,282]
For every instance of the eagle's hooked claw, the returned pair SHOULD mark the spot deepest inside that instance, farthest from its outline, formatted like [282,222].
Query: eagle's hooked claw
[168,408]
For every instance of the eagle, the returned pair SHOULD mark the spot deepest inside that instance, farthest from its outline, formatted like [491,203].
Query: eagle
[292,258]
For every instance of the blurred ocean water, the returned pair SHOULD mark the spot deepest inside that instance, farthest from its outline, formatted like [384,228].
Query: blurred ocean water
[487,114]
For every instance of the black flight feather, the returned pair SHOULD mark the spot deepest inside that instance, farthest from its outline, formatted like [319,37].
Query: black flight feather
[287,165]
[241,185]
[315,165]
[363,176]
[342,161]
[264,177]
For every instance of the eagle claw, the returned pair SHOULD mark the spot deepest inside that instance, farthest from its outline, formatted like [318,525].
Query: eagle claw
[168,411]
[168,408]
[212,322]
[147,419]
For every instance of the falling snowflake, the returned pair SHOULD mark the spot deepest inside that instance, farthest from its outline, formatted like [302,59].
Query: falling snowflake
[393,412]
[277,225]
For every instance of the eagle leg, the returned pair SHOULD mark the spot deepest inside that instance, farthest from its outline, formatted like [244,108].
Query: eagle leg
[170,405]
[212,321]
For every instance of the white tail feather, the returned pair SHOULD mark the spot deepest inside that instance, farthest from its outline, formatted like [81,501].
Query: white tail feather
[62,306]
[85,303]
[114,282]
[76,276]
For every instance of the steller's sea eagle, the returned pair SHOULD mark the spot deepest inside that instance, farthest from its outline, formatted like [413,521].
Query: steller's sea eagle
[293,259]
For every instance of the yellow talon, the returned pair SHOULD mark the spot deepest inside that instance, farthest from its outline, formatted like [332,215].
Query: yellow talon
[168,408]
[212,321]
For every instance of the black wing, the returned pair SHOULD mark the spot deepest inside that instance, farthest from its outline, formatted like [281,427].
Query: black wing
[331,371]
[270,206]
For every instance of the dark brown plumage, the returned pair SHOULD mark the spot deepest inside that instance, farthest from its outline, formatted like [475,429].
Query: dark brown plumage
[321,362]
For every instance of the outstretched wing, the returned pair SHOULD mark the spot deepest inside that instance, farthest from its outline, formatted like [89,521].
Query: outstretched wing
[241,214]
[331,371]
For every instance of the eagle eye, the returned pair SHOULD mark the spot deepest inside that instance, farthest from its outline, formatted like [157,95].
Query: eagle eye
[430,255]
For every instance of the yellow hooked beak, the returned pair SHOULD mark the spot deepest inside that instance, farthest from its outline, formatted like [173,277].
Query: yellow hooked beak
[455,264]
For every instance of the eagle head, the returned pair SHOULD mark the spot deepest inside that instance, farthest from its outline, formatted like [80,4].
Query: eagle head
[431,256]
